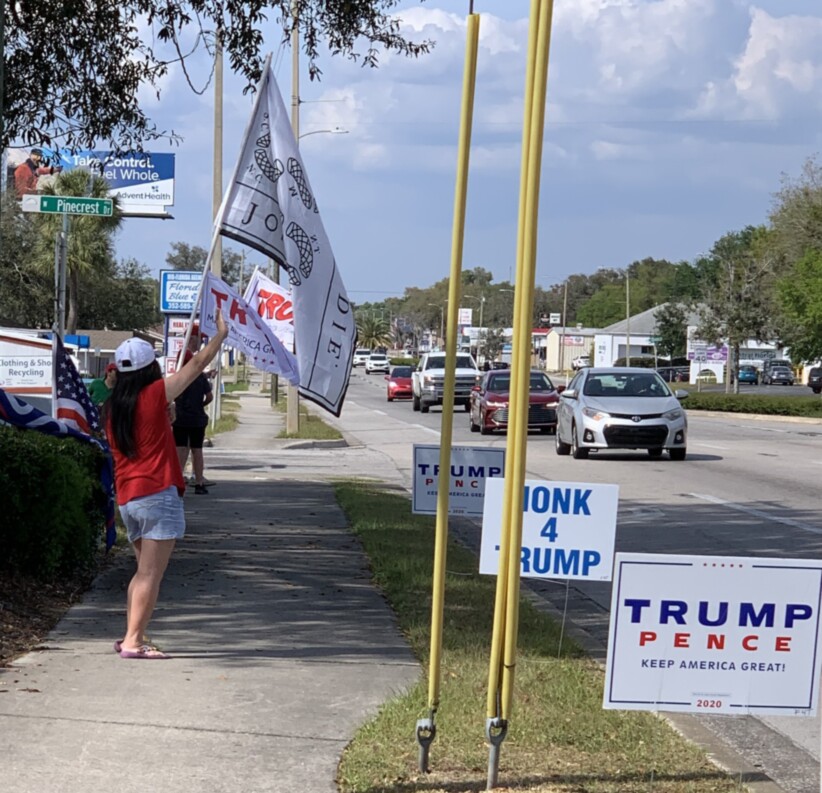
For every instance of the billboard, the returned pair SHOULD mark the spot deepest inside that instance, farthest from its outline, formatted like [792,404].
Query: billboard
[143,181]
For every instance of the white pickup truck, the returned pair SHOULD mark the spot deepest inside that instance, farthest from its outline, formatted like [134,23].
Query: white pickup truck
[428,380]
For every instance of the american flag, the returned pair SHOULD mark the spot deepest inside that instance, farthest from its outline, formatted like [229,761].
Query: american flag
[20,414]
[74,405]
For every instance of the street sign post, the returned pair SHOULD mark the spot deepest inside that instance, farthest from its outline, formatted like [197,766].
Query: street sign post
[68,205]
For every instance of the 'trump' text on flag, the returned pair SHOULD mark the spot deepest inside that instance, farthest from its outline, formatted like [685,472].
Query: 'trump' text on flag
[270,206]
[274,306]
[246,331]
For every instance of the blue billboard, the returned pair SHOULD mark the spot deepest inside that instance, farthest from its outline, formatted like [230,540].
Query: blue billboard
[143,181]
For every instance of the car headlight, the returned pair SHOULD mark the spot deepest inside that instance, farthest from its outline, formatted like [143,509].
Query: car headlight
[596,415]
[392,384]
[497,404]
[672,415]
[428,380]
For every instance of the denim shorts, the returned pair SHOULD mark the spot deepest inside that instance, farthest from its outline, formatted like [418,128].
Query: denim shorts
[159,516]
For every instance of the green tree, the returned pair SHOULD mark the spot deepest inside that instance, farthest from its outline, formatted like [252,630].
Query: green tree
[122,297]
[90,239]
[671,329]
[739,302]
[491,343]
[192,257]
[26,292]
[77,72]
[373,331]
[800,298]
[604,307]
[797,215]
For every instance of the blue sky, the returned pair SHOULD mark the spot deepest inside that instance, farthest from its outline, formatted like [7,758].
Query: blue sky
[669,123]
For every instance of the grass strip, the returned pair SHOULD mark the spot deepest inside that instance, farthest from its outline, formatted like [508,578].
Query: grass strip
[560,739]
[312,427]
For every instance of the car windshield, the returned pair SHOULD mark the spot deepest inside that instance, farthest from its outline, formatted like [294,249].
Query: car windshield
[540,382]
[401,371]
[627,384]
[376,357]
[363,352]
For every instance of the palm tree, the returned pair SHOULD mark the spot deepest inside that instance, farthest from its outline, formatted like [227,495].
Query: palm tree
[373,331]
[90,239]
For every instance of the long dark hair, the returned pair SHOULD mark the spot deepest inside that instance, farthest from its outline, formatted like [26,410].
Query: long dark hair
[121,406]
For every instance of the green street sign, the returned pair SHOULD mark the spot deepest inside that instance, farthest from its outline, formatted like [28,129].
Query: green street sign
[68,205]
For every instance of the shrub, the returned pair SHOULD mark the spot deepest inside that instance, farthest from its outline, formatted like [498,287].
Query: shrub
[755,403]
[54,504]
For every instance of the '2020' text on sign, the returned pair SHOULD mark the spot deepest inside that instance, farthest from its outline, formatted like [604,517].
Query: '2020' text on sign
[568,529]
[708,634]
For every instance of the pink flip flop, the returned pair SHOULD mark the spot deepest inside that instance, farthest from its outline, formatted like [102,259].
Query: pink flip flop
[146,652]
[118,645]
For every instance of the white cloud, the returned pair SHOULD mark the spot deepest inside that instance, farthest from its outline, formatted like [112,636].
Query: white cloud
[653,111]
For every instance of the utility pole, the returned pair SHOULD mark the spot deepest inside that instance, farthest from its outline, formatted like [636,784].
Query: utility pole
[564,323]
[217,198]
[627,319]
[292,417]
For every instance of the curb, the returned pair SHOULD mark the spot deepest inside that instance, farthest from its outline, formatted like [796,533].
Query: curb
[315,444]
[753,416]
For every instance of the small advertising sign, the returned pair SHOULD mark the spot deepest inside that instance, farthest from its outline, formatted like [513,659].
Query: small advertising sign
[25,365]
[554,319]
[471,469]
[717,635]
[568,529]
[178,290]
[465,317]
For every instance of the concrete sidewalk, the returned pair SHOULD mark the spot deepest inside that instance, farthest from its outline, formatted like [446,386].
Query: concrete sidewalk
[281,646]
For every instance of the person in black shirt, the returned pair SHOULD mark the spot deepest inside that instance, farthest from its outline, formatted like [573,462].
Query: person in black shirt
[190,425]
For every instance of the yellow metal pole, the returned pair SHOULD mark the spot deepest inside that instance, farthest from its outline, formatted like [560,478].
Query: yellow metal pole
[525,289]
[495,671]
[426,728]
[536,81]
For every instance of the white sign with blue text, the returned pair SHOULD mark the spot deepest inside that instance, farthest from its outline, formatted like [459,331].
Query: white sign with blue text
[568,529]
[717,635]
[471,467]
[178,290]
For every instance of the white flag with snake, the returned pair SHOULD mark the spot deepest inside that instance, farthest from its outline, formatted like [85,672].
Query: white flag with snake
[269,206]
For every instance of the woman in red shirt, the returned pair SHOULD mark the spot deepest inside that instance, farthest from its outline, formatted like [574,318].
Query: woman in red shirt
[147,472]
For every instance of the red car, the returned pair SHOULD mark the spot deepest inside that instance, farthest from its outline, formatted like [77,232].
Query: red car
[489,403]
[399,383]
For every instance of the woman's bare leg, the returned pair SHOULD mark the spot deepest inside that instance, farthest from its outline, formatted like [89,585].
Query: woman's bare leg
[144,587]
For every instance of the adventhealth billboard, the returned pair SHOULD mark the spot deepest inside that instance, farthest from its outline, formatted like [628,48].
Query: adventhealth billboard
[143,181]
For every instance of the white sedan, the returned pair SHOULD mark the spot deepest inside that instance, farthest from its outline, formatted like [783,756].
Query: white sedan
[621,408]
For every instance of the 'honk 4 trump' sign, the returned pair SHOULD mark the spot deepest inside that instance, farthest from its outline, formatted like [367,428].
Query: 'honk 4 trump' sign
[568,529]
[718,635]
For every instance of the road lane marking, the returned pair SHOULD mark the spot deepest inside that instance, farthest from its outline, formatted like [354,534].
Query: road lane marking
[758,513]
[709,445]
[381,412]
[427,429]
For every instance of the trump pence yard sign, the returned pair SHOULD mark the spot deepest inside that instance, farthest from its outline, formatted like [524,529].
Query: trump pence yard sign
[471,468]
[568,529]
[710,634]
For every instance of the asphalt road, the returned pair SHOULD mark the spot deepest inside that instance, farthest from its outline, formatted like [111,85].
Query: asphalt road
[747,487]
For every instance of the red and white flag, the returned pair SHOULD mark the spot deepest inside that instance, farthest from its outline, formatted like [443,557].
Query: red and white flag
[246,331]
[270,206]
[274,306]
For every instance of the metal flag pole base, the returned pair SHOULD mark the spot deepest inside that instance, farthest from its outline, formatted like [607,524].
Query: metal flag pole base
[426,732]
[495,731]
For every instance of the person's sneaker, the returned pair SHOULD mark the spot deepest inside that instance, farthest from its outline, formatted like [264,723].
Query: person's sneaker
[200,490]
[208,483]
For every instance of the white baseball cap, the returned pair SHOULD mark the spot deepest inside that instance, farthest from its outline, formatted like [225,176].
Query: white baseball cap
[133,354]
